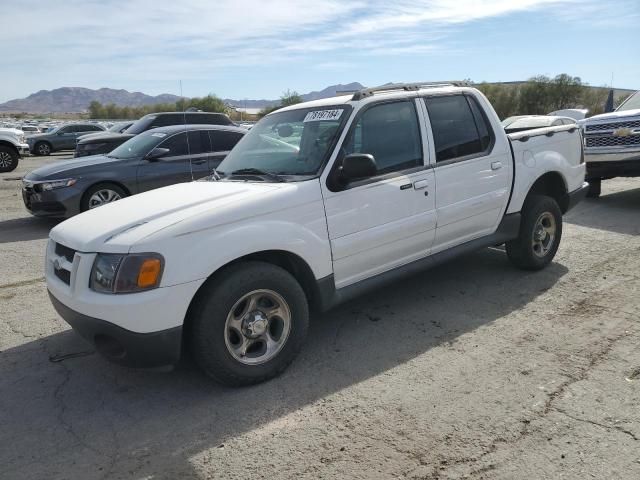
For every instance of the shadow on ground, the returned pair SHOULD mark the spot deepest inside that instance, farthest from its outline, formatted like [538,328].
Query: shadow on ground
[100,420]
[616,212]
[26,228]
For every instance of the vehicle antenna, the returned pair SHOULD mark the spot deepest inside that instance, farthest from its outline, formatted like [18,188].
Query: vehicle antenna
[186,133]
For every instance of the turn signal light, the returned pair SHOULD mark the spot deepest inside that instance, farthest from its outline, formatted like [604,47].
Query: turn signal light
[149,274]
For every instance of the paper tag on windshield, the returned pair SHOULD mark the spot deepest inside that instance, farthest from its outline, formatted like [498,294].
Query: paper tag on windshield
[159,135]
[320,115]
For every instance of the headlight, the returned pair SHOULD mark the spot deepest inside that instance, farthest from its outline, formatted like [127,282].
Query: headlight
[53,184]
[112,273]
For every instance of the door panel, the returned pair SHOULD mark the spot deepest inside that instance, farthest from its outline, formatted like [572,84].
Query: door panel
[473,170]
[376,227]
[389,220]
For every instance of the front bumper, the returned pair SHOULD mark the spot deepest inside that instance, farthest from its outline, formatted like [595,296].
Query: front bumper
[61,202]
[122,346]
[577,195]
[23,149]
[629,167]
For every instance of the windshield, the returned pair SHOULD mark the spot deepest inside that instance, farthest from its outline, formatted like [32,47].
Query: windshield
[138,146]
[294,142]
[632,103]
[141,125]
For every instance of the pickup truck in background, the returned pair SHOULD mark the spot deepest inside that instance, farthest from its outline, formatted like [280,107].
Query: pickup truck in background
[319,202]
[13,145]
[612,144]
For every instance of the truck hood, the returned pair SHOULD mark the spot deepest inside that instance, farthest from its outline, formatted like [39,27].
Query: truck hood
[11,131]
[117,227]
[613,116]
[64,168]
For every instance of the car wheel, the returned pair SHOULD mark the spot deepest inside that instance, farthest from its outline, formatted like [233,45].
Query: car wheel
[595,186]
[42,148]
[248,324]
[101,194]
[540,234]
[8,159]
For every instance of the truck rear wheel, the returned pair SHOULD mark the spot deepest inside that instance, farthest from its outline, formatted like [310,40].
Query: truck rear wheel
[8,159]
[540,234]
[248,326]
[594,188]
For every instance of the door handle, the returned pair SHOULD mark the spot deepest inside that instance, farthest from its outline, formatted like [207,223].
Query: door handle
[496,165]
[198,162]
[420,184]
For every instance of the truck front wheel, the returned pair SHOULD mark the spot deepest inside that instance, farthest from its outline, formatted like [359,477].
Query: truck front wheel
[8,159]
[540,234]
[248,324]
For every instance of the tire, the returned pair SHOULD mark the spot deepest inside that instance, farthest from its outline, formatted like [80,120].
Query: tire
[112,191]
[594,188]
[540,234]
[217,345]
[42,149]
[8,159]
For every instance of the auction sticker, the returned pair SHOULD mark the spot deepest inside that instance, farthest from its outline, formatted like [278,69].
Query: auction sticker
[320,115]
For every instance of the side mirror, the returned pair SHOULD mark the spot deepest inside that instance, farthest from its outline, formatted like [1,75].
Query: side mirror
[157,153]
[357,166]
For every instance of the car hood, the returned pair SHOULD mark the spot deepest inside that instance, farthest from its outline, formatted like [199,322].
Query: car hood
[64,168]
[613,116]
[105,137]
[119,226]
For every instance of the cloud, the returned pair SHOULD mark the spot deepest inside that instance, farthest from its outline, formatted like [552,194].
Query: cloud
[146,43]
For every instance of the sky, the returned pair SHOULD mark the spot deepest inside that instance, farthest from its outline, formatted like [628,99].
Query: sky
[259,48]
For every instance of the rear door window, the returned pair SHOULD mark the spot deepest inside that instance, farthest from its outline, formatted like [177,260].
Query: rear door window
[459,127]
[224,141]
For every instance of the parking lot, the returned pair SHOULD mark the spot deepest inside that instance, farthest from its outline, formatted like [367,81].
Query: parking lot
[471,370]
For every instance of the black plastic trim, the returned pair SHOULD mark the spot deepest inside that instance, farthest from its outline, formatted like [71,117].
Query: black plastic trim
[576,196]
[329,296]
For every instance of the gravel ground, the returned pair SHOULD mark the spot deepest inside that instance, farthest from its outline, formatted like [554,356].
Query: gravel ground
[470,370]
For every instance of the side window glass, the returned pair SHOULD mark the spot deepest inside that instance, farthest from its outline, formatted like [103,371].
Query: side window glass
[67,129]
[391,133]
[224,141]
[455,133]
[484,129]
[196,146]
[166,120]
[177,145]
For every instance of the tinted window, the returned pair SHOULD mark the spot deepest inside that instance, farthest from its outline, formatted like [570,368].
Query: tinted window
[455,130]
[67,129]
[166,120]
[224,141]
[177,145]
[390,132]
[199,142]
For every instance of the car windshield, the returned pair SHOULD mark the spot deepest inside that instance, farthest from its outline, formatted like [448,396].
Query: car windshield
[294,142]
[138,146]
[632,103]
[140,125]
[116,127]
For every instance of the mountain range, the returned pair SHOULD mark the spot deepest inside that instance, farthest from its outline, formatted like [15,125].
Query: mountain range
[77,99]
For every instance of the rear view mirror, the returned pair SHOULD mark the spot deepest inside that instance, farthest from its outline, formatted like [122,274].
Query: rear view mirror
[157,153]
[357,166]
[285,131]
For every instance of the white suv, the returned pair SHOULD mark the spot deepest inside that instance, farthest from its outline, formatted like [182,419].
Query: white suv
[317,203]
[12,146]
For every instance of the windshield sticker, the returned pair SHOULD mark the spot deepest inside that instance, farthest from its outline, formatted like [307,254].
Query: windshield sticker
[320,115]
[159,135]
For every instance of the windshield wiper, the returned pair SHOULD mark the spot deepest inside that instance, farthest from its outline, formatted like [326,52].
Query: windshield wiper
[256,171]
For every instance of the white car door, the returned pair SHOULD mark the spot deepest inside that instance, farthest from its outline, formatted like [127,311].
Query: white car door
[379,223]
[473,170]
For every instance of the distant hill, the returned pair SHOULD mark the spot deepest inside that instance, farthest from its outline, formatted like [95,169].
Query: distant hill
[77,99]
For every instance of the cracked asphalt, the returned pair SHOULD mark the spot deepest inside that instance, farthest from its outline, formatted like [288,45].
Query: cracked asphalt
[470,370]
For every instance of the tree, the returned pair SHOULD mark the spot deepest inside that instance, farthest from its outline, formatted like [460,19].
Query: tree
[290,98]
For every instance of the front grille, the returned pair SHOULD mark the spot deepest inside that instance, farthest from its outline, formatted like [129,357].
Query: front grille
[611,141]
[613,126]
[64,275]
[66,252]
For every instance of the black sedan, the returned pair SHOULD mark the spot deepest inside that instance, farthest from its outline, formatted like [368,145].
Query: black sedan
[153,159]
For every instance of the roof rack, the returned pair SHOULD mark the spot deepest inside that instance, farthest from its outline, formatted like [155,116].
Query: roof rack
[407,87]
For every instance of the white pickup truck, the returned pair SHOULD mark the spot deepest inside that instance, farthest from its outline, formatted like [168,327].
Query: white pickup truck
[12,146]
[319,202]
